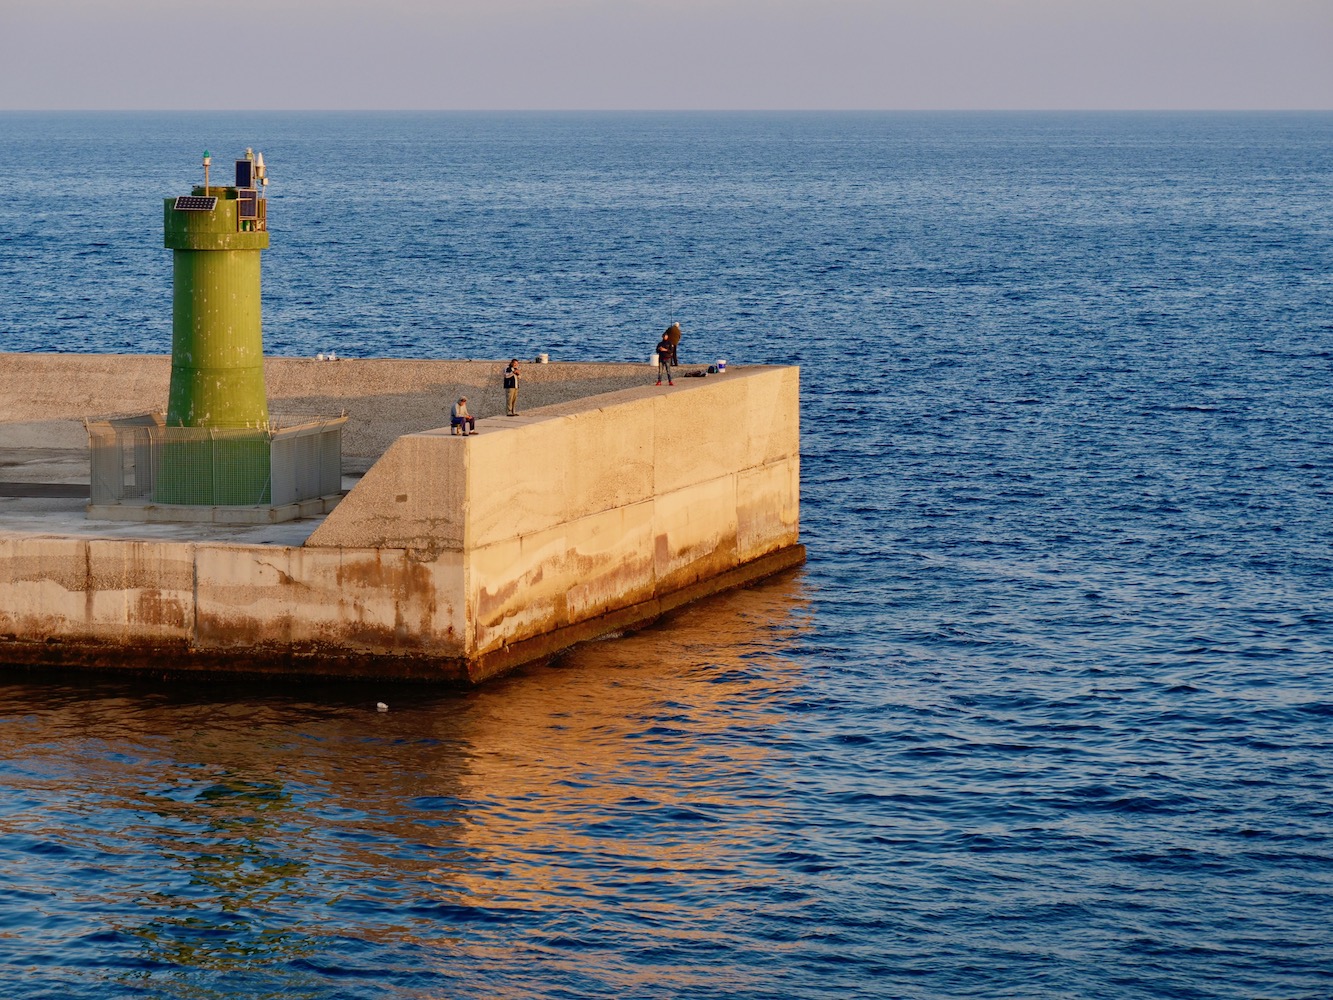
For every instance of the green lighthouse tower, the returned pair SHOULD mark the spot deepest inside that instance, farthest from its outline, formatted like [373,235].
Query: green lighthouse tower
[217,349]
[217,446]
[216,235]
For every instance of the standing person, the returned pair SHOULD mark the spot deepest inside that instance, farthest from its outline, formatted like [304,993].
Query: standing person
[664,350]
[511,387]
[673,334]
[459,417]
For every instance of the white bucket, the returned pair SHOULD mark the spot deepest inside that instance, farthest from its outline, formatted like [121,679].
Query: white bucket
[722,364]
[543,359]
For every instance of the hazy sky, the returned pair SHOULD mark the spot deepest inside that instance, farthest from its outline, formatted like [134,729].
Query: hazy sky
[641,54]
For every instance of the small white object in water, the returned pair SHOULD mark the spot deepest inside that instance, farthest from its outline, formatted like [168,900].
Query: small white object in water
[381,707]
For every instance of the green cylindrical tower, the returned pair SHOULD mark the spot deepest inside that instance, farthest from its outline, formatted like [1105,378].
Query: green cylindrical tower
[216,448]
[217,347]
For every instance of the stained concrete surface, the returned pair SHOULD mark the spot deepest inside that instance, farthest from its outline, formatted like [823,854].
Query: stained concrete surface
[452,558]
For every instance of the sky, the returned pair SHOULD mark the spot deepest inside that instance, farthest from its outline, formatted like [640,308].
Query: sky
[666,54]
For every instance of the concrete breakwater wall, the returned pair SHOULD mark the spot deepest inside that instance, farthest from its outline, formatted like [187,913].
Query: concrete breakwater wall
[45,397]
[453,558]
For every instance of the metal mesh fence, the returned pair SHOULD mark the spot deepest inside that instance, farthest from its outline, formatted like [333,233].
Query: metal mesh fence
[139,459]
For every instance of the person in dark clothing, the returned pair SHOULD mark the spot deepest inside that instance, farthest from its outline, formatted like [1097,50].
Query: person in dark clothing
[511,388]
[665,350]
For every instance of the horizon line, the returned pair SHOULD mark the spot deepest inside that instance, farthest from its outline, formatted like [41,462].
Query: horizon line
[738,110]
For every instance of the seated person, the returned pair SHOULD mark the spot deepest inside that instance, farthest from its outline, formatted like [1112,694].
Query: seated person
[459,417]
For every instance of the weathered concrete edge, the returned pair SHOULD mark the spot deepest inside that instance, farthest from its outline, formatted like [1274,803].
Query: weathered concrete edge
[269,663]
[542,646]
[311,662]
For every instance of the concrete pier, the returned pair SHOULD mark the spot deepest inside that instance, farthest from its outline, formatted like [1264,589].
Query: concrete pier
[607,502]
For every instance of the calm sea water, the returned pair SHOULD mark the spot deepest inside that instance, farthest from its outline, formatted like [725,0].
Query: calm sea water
[1049,712]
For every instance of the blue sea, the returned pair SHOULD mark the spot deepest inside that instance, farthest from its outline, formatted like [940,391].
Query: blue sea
[1047,714]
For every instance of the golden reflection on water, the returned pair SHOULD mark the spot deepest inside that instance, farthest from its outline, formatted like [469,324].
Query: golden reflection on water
[630,781]
[621,797]
[662,723]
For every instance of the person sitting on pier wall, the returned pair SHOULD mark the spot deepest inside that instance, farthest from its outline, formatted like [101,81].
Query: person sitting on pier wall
[459,417]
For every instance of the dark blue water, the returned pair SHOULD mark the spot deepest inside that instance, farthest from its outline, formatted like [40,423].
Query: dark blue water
[1048,713]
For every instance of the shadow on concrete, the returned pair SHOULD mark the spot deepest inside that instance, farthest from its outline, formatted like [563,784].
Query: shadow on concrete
[76,491]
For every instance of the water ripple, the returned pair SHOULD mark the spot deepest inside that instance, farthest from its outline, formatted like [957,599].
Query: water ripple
[1045,715]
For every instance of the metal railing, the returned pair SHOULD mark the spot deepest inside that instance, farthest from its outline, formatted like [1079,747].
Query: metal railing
[141,460]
